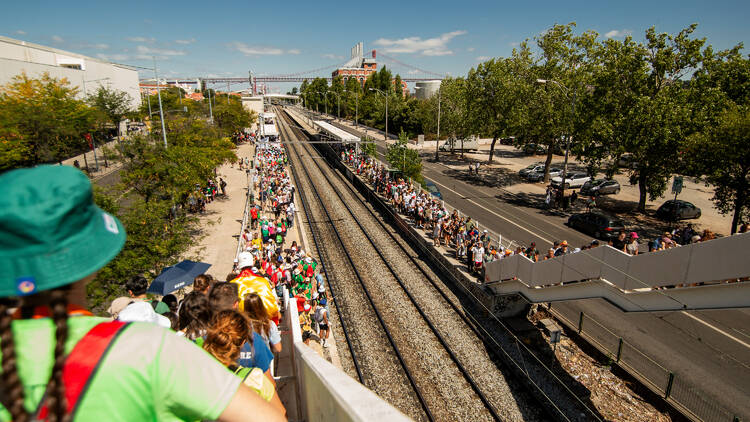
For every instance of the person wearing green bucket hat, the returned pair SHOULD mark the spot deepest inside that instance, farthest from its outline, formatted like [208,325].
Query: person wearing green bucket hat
[59,362]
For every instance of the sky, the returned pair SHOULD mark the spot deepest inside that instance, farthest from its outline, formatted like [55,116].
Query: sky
[226,38]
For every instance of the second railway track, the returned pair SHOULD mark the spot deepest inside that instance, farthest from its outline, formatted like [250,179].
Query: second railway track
[444,371]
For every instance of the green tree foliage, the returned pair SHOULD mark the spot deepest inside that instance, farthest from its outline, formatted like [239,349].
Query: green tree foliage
[112,105]
[231,117]
[400,156]
[369,147]
[721,152]
[41,121]
[496,97]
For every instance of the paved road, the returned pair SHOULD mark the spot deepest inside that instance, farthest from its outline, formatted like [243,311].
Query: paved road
[707,350]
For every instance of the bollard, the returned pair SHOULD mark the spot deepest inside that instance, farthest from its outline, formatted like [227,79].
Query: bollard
[668,390]
[619,350]
[580,323]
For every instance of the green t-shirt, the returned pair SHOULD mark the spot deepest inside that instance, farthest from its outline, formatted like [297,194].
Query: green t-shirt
[149,373]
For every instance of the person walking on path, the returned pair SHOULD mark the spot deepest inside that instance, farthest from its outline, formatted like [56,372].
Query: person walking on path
[45,280]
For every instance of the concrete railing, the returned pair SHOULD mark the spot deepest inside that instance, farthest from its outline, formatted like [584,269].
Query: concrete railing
[634,283]
[325,392]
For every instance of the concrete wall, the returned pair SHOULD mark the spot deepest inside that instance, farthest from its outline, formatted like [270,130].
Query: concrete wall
[324,392]
[254,104]
[17,57]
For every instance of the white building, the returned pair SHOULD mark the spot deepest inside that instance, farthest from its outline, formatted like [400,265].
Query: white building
[18,56]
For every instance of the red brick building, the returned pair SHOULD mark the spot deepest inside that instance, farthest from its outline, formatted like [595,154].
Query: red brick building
[361,67]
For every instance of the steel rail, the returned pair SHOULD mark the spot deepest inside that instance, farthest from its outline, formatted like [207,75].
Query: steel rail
[365,290]
[305,204]
[427,320]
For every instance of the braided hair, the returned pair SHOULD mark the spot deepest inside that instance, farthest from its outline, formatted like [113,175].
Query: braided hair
[13,394]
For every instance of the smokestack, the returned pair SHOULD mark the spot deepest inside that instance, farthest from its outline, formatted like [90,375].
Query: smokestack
[373,54]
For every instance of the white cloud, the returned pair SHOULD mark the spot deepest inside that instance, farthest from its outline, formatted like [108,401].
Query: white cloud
[150,51]
[617,33]
[483,58]
[185,42]
[413,72]
[470,49]
[20,32]
[429,47]
[252,50]
[141,39]
[57,39]
[514,44]
[333,56]
[114,57]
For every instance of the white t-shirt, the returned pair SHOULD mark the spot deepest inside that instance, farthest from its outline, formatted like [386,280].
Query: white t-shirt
[478,253]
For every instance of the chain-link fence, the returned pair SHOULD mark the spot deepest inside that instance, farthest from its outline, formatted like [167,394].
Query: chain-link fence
[702,407]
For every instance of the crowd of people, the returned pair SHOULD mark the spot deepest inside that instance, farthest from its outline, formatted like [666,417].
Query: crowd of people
[59,362]
[476,247]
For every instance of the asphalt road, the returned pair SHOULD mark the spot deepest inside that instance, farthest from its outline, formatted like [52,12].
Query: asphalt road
[708,351]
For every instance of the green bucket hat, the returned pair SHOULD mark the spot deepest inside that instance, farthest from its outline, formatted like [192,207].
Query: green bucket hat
[51,232]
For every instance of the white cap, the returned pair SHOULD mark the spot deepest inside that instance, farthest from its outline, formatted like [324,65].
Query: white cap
[245,259]
[308,259]
[143,312]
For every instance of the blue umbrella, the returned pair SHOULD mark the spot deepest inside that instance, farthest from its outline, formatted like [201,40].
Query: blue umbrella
[177,276]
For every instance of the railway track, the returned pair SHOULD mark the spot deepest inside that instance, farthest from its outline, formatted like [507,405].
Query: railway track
[445,364]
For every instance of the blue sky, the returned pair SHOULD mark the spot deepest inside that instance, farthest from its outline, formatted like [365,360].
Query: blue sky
[224,38]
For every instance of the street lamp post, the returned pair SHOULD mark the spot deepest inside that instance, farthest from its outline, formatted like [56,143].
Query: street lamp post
[437,141]
[93,141]
[338,102]
[386,111]
[161,112]
[570,135]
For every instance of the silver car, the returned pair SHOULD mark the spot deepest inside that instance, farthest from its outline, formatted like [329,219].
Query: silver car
[572,180]
[538,176]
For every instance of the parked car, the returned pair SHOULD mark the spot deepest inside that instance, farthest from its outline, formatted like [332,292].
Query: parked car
[507,141]
[597,224]
[676,209]
[598,187]
[627,160]
[534,149]
[433,189]
[530,169]
[538,176]
[572,180]
[468,144]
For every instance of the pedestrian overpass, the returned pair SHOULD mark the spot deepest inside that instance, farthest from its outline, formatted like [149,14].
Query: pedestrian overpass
[706,275]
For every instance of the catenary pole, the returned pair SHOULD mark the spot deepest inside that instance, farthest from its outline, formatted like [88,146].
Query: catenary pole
[161,111]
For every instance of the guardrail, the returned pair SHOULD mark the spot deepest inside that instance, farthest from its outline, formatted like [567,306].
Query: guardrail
[657,378]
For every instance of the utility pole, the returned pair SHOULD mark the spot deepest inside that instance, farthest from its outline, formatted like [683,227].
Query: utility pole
[161,111]
[210,109]
[437,141]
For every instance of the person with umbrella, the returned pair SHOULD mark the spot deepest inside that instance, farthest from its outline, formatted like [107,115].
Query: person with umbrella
[53,241]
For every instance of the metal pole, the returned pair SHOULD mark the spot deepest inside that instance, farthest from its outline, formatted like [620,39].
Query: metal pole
[210,109]
[386,117]
[227,92]
[437,141]
[161,111]
[567,149]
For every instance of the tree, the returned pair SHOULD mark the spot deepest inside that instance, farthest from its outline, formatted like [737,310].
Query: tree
[400,156]
[369,147]
[41,121]
[112,104]
[721,151]
[495,94]
[724,153]
[660,119]
[455,114]
[232,117]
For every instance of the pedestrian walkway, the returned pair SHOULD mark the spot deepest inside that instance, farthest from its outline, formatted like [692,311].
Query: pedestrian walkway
[222,220]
